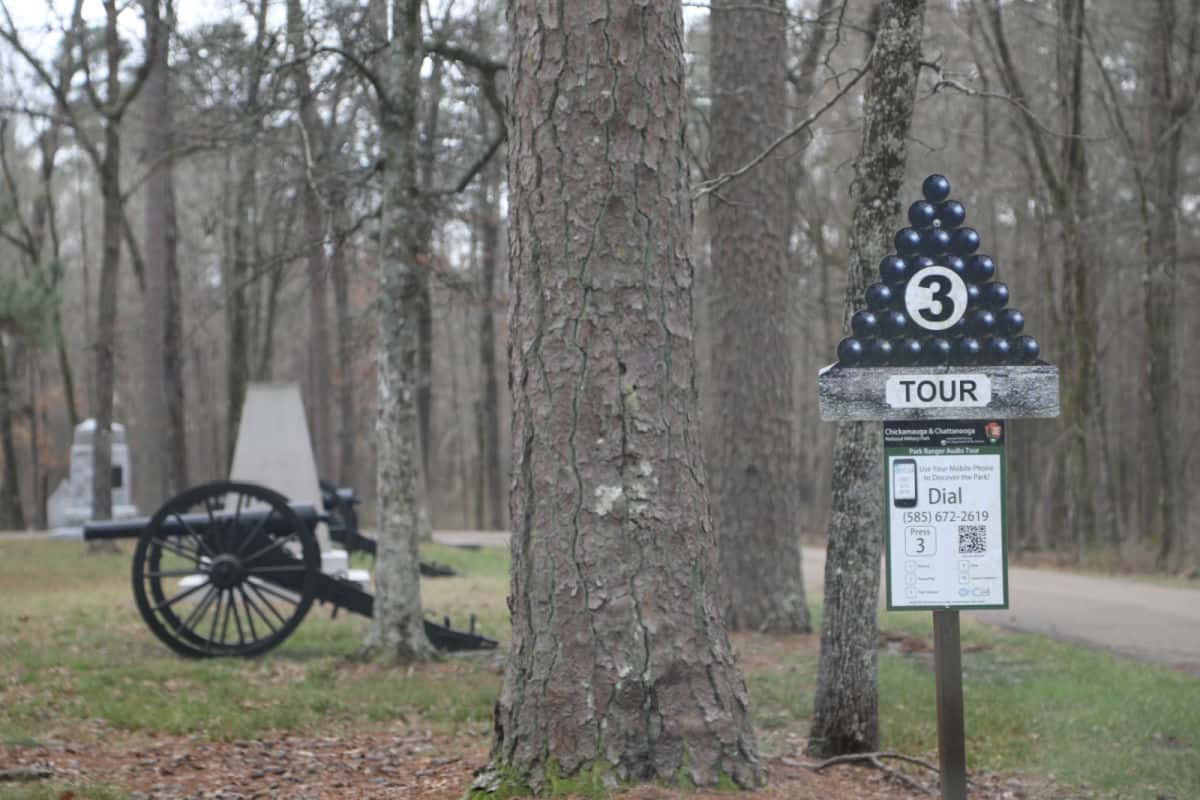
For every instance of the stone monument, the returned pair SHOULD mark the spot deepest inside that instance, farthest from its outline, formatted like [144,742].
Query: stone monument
[70,504]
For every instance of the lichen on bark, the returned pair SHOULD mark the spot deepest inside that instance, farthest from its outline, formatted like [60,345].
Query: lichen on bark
[846,707]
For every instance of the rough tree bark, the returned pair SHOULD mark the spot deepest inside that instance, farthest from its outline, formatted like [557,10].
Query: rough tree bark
[846,707]
[163,342]
[397,630]
[754,466]
[621,668]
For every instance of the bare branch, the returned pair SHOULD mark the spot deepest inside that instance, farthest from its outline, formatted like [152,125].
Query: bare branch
[711,185]
[475,168]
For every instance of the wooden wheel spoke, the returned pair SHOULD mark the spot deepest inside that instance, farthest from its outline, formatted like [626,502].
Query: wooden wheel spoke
[201,544]
[198,611]
[173,600]
[254,533]
[275,545]
[216,617]
[173,546]
[258,591]
[237,616]
[228,611]
[177,573]
[251,605]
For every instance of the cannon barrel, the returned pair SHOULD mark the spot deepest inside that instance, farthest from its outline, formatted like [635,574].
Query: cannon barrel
[179,524]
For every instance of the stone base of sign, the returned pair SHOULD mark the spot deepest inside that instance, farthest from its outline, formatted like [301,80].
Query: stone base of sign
[860,393]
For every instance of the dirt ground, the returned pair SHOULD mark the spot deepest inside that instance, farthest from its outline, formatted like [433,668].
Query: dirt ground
[411,765]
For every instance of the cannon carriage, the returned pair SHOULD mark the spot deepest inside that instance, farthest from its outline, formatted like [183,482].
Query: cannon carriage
[231,569]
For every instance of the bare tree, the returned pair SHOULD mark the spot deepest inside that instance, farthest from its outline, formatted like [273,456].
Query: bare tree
[397,630]
[846,707]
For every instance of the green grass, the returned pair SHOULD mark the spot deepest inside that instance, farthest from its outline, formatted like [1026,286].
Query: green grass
[75,650]
[75,657]
[58,791]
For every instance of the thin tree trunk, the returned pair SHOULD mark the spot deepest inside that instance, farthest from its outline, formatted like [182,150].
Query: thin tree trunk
[319,372]
[346,474]
[491,499]
[754,467]
[621,668]
[12,514]
[1167,109]
[397,630]
[162,344]
[846,708]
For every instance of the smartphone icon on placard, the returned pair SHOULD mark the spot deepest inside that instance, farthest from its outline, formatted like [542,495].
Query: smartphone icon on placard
[904,482]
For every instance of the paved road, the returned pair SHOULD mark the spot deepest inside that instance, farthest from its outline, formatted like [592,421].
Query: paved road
[1133,618]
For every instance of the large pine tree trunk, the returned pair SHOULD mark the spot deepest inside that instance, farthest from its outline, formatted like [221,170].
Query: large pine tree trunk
[621,668]
[754,466]
[397,630]
[846,708]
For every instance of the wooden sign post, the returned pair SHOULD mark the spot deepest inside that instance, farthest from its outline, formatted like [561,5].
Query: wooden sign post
[937,357]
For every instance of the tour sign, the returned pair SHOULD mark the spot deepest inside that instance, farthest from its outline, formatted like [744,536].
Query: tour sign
[939,356]
[945,535]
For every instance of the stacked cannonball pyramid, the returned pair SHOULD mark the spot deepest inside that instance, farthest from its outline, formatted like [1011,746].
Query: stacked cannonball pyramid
[937,302]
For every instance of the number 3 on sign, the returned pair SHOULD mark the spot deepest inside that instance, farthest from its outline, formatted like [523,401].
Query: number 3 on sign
[936,298]
[920,540]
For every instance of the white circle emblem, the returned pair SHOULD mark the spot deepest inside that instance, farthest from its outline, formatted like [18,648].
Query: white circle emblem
[935,298]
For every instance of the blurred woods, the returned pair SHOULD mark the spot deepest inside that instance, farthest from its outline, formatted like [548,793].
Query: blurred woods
[214,214]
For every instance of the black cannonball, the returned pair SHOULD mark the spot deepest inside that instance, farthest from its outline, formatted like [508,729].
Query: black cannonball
[998,350]
[935,188]
[981,322]
[1010,321]
[935,241]
[908,241]
[964,241]
[907,351]
[974,295]
[879,296]
[967,350]
[894,323]
[864,324]
[951,214]
[922,214]
[980,268]
[995,295]
[879,352]
[850,351]
[936,351]
[917,263]
[893,269]
[1025,349]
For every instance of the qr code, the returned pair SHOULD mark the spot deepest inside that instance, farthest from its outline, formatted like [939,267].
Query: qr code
[972,540]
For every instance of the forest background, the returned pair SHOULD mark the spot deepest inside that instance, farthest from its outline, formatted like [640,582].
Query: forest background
[243,183]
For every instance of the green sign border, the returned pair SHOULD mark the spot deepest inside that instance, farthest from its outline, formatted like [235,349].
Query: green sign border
[887,528]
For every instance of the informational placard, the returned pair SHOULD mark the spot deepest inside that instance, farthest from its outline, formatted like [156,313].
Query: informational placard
[945,538]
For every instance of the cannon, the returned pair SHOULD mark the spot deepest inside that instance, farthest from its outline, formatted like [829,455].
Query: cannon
[231,568]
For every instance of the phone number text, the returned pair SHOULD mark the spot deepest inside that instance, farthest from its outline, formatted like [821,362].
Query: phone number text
[946,516]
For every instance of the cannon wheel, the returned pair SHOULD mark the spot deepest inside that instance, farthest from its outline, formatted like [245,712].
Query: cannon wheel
[225,569]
